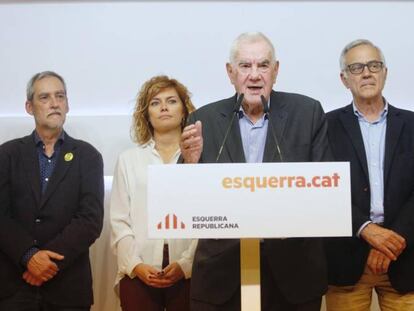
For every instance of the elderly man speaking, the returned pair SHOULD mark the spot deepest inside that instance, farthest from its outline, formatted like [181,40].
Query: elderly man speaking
[268,126]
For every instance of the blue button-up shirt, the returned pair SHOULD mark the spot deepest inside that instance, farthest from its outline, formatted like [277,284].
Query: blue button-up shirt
[373,135]
[253,137]
[47,164]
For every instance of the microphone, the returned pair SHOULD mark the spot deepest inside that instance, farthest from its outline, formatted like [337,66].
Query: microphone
[272,131]
[236,109]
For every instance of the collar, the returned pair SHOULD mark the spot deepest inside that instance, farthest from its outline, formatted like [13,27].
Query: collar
[360,115]
[38,140]
[149,144]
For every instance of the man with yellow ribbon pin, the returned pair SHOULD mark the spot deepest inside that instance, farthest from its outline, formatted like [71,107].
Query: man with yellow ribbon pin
[51,208]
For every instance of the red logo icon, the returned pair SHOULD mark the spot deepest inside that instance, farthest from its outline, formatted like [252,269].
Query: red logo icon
[171,222]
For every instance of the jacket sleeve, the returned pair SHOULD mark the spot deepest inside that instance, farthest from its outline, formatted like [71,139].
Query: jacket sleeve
[320,147]
[15,240]
[403,223]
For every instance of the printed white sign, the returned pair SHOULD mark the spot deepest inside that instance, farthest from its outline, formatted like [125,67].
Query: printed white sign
[257,200]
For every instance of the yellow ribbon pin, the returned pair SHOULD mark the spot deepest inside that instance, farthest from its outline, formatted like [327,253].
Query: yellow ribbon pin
[69,156]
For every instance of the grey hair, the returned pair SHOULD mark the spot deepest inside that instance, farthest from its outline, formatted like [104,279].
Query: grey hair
[354,44]
[250,37]
[40,76]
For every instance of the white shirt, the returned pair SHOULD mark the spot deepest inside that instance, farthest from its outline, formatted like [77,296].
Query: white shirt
[128,216]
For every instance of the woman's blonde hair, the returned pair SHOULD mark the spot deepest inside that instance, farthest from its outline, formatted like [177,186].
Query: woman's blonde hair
[142,129]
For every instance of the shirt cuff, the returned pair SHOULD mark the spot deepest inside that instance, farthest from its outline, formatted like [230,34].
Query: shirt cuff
[28,255]
[363,227]
[131,268]
[185,265]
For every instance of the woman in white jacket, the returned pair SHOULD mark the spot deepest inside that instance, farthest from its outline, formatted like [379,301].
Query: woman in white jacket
[152,274]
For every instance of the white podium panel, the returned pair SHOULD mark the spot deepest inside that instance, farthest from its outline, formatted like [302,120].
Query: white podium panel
[257,200]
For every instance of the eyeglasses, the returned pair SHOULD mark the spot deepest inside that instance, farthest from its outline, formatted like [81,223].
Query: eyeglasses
[373,66]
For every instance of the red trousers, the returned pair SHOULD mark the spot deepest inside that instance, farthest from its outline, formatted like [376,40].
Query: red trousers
[137,296]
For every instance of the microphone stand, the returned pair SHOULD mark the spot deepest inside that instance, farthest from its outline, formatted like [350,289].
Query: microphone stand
[272,131]
[236,109]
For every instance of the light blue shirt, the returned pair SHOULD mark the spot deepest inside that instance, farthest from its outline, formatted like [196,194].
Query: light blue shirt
[253,137]
[373,135]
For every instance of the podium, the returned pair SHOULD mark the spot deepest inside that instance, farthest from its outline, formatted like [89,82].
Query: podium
[274,200]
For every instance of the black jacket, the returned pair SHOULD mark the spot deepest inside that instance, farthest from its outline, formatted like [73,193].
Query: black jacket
[347,256]
[66,219]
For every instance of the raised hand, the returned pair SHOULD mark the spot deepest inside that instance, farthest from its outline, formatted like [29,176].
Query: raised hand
[191,143]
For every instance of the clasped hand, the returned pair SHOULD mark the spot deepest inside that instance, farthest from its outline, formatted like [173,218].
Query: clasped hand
[386,245]
[153,277]
[41,267]
[191,143]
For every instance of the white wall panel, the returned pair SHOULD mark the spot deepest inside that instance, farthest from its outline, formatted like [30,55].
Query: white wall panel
[107,49]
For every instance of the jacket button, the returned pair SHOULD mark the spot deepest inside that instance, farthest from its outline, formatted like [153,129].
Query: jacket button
[365,189]
[38,220]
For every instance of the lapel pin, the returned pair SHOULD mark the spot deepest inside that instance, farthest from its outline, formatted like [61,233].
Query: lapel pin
[68,156]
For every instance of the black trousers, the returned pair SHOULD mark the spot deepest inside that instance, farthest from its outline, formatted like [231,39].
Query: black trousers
[29,298]
[272,298]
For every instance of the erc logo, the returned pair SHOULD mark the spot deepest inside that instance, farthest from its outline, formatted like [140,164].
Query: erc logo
[171,222]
